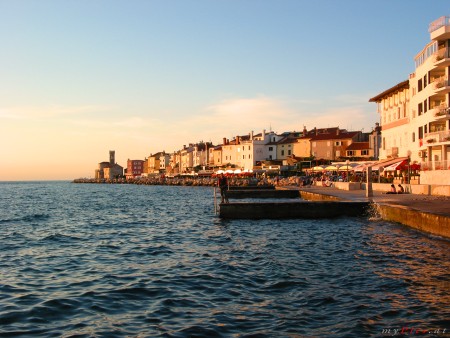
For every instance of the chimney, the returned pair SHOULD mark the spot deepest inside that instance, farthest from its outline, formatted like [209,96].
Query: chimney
[337,131]
[224,141]
[304,131]
[315,131]
[251,136]
[264,134]
[238,139]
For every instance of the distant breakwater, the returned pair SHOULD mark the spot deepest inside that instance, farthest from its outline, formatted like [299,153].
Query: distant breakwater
[179,181]
[194,181]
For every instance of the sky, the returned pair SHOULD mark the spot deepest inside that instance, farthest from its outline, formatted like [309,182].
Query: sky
[81,78]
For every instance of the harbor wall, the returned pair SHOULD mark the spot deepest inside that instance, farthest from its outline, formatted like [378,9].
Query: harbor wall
[438,225]
[304,209]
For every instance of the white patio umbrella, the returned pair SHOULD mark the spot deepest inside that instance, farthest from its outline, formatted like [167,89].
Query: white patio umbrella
[317,168]
[331,168]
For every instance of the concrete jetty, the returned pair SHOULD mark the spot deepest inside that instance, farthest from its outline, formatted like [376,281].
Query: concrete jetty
[300,209]
[261,193]
[429,214]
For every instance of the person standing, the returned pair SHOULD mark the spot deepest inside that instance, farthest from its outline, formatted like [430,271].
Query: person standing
[223,185]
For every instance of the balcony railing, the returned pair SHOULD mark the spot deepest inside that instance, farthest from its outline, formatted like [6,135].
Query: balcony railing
[441,83]
[435,165]
[441,54]
[441,22]
[442,112]
[437,137]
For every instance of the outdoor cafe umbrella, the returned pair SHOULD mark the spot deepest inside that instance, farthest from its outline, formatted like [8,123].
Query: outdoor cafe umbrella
[331,168]
[345,168]
[317,168]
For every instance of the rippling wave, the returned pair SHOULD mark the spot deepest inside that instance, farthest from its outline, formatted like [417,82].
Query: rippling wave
[148,261]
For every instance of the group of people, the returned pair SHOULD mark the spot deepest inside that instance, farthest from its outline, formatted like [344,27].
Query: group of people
[400,190]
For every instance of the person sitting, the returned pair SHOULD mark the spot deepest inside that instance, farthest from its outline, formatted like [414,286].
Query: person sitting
[401,190]
[392,191]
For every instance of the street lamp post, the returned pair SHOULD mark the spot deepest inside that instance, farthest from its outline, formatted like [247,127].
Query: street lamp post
[409,166]
[347,162]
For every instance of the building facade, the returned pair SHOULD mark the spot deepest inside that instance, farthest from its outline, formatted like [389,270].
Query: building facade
[135,168]
[415,114]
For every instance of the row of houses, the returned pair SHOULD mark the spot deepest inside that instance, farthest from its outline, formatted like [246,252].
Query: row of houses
[254,151]
[414,124]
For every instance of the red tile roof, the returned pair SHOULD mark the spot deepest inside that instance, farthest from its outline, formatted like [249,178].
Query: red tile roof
[358,146]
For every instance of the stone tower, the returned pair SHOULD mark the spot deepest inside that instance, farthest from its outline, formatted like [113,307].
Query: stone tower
[112,157]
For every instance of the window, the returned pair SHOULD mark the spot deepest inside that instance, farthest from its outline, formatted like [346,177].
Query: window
[420,108]
[364,152]
[350,153]
[289,152]
[243,157]
[419,84]
[414,137]
[338,143]
[270,148]
[282,153]
[425,106]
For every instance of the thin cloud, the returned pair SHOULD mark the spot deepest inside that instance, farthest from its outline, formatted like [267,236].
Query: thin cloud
[51,111]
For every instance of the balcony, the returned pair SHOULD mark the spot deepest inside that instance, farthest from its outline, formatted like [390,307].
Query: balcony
[435,165]
[442,113]
[442,58]
[437,138]
[440,28]
[441,85]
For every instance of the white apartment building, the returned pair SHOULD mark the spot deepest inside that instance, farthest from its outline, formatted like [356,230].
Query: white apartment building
[395,118]
[415,114]
[430,99]
[245,151]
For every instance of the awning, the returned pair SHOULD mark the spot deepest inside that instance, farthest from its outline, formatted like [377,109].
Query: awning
[386,163]
[397,166]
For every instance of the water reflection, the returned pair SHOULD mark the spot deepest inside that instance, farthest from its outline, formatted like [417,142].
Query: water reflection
[419,261]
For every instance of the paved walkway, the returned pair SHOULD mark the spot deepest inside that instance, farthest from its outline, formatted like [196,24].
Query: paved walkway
[439,205]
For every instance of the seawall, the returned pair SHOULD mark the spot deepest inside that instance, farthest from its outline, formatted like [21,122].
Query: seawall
[434,224]
[410,210]
[301,209]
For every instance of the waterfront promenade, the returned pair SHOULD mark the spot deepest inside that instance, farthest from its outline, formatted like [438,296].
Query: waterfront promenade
[430,214]
[439,205]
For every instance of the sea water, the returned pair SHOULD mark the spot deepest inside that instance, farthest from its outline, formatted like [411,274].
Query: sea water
[100,260]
